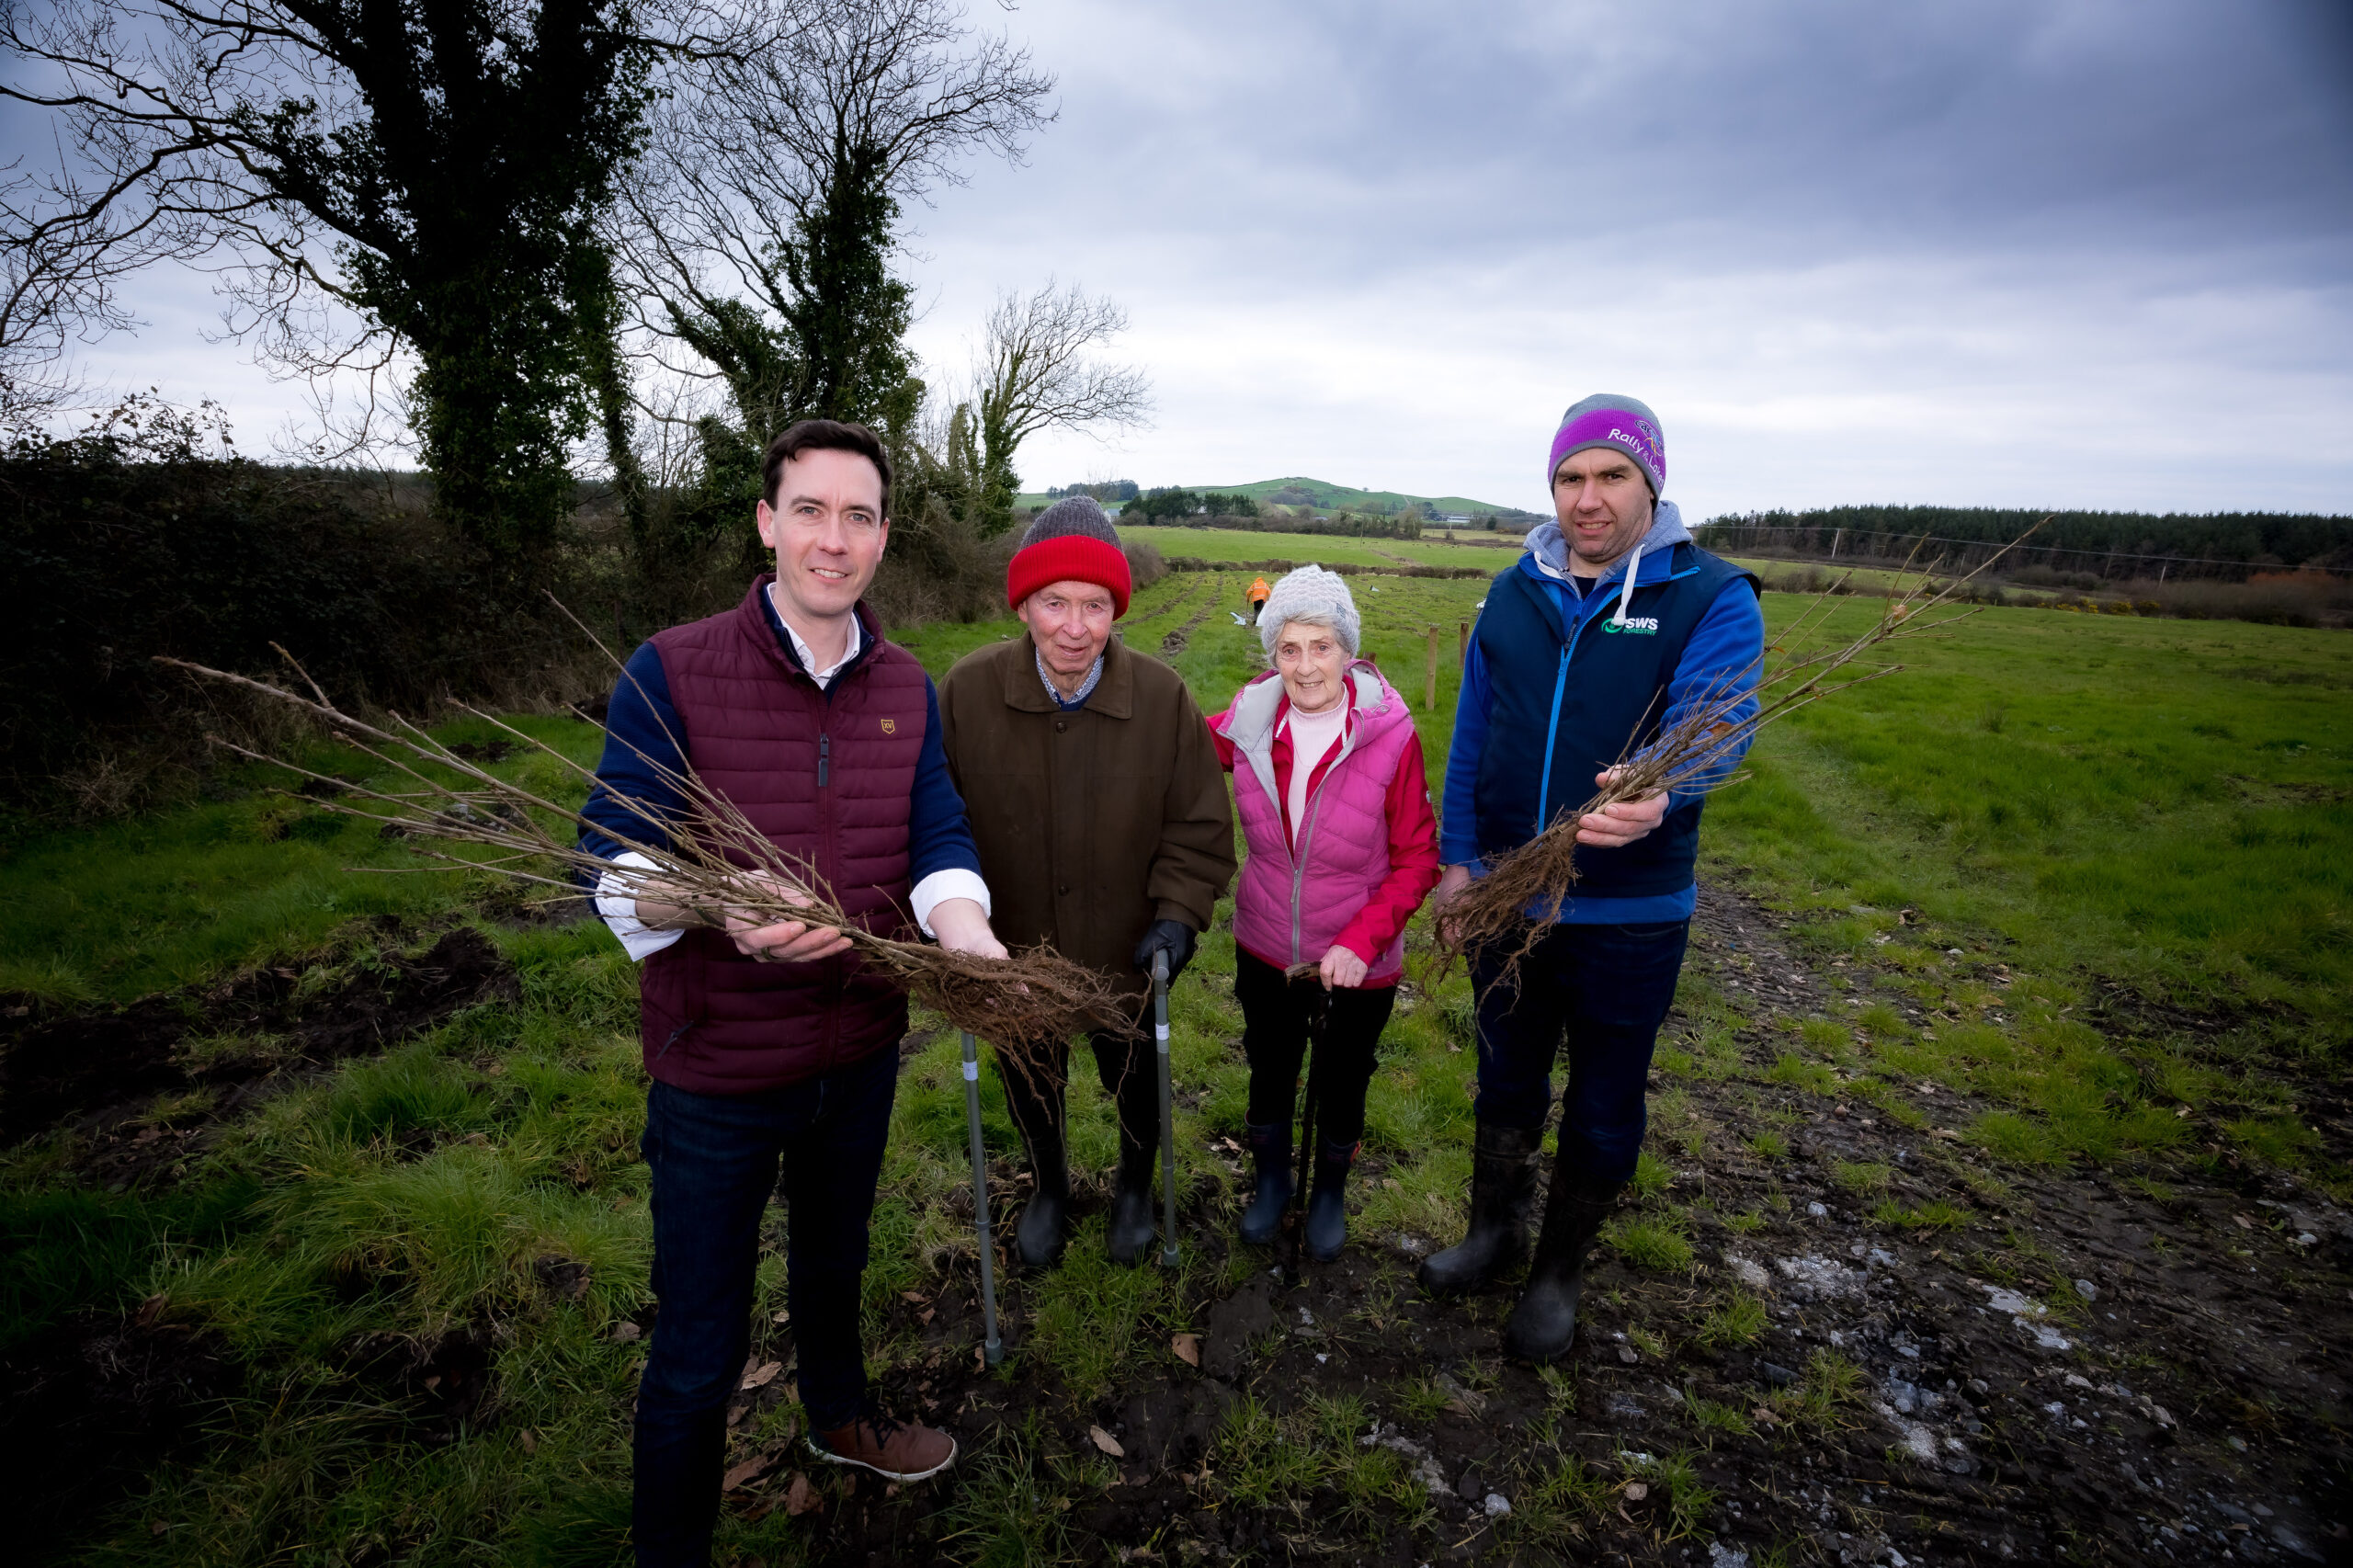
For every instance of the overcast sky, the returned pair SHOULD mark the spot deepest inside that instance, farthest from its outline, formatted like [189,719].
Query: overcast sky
[2092,253]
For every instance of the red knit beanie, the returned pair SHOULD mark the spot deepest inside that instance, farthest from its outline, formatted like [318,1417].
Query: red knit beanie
[1072,541]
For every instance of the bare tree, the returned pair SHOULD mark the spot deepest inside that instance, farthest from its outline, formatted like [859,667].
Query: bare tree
[1036,373]
[757,231]
[61,272]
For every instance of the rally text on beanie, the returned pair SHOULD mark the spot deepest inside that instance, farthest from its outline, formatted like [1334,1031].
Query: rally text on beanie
[1312,594]
[1621,424]
[1072,541]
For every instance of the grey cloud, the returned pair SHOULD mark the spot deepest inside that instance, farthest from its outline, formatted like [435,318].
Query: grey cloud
[1800,125]
[1935,251]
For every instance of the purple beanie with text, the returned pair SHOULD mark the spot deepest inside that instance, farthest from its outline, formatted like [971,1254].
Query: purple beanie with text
[1621,424]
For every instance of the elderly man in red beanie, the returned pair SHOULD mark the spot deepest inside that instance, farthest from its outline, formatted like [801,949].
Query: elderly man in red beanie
[1100,812]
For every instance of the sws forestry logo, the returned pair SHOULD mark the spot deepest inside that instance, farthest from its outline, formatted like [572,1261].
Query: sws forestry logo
[1640,625]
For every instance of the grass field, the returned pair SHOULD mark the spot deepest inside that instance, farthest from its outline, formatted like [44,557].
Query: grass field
[1327,494]
[1231,544]
[2141,822]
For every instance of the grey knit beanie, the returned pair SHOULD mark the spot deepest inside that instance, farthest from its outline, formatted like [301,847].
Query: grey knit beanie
[1309,593]
[1071,541]
[1075,515]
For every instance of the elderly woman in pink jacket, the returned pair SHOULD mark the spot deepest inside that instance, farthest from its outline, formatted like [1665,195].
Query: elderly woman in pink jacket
[1342,849]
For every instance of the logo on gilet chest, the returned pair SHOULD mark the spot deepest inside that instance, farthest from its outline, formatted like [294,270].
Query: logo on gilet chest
[890,726]
[1638,625]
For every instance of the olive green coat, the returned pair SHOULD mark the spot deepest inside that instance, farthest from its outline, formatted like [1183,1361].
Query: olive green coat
[1093,823]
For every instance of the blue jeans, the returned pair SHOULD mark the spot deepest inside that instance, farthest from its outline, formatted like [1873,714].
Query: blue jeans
[715,1159]
[1605,989]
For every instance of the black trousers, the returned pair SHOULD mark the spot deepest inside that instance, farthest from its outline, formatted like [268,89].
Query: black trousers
[1129,1076]
[1274,1036]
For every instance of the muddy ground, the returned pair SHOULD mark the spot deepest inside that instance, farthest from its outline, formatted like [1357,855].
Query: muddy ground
[97,1070]
[2186,1403]
[86,1405]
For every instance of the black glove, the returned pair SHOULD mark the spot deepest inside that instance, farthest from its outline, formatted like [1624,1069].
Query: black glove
[1172,937]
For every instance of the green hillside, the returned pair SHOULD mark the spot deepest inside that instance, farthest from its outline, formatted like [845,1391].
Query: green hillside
[1323,494]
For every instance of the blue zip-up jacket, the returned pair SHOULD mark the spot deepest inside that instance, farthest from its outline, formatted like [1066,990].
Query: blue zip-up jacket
[642,719]
[1577,685]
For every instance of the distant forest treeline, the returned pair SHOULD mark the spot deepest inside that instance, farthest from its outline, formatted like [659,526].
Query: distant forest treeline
[2123,544]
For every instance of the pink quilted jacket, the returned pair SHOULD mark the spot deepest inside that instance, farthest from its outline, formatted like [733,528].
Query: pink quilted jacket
[1296,904]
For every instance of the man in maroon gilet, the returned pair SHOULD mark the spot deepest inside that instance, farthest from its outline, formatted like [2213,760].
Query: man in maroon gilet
[772,1048]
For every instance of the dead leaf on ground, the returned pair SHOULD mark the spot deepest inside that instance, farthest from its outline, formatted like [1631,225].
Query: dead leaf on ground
[750,1470]
[762,1375]
[800,1498]
[1108,1443]
[1187,1348]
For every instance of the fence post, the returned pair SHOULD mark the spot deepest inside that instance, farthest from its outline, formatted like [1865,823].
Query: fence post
[1463,654]
[1429,683]
[1836,535]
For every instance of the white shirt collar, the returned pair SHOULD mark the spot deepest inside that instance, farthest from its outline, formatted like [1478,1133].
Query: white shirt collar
[851,650]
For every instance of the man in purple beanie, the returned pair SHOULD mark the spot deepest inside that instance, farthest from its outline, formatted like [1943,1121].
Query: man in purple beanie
[1613,625]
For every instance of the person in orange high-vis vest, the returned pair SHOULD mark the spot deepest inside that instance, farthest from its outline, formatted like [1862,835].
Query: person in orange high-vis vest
[1258,592]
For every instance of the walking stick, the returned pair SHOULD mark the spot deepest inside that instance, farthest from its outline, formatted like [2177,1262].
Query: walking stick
[1319,1007]
[1167,1109]
[993,1347]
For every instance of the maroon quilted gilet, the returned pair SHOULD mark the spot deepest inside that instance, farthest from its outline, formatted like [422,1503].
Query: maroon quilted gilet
[827,781]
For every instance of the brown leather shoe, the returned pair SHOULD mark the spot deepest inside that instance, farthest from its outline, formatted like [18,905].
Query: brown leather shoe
[882,1445]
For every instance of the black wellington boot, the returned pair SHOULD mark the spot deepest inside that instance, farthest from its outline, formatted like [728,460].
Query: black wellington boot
[1270,1149]
[1503,1191]
[1546,1318]
[1129,1234]
[1327,1207]
[1039,1235]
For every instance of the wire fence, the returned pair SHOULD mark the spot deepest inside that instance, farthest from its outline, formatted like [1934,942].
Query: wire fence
[1861,546]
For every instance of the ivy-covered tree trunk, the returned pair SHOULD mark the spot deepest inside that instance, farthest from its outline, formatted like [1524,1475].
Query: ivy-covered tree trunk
[607,379]
[828,345]
[468,195]
[1000,486]
[456,155]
